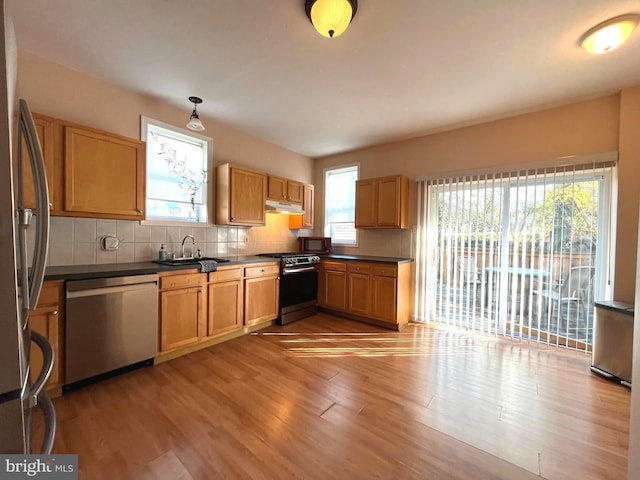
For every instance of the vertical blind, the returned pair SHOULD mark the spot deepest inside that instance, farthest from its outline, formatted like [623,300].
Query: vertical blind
[522,253]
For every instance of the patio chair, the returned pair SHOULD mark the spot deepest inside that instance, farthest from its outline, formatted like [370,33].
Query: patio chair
[468,270]
[574,291]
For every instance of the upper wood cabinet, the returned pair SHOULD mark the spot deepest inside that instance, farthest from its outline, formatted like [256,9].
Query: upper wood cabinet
[382,202]
[284,190]
[308,205]
[45,131]
[241,195]
[104,174]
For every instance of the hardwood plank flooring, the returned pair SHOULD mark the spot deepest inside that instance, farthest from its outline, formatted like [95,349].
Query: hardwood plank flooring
[325,397]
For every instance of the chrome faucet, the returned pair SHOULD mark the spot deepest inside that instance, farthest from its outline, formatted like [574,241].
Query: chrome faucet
[192,248]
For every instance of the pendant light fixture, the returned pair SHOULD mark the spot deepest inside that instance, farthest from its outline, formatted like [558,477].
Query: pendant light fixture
[331,17]
[194,121]
[610,34]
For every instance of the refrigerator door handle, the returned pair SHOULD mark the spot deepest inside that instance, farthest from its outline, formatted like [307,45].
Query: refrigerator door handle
[28,130]
[47,367]
[49,423]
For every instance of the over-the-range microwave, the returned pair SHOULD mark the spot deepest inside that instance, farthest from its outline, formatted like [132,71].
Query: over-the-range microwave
[318,245]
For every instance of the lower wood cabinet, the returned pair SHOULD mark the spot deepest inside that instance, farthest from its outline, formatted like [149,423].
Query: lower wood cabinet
[202,309]
[381,293]
[182,312]
[261,293]
[48,320]
[332,285]
[225,301]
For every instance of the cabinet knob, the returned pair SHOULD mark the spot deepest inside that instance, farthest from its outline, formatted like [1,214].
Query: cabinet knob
[233,219]
[139,211]
[55,312]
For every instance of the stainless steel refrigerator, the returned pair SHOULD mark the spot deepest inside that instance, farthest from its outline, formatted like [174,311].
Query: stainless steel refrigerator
[20,282]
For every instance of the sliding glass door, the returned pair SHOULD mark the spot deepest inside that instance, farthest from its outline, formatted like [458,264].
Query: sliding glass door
[522,254]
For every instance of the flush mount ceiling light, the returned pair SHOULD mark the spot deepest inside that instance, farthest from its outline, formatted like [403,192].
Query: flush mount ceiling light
[331,17]
[610,34]
[194,121]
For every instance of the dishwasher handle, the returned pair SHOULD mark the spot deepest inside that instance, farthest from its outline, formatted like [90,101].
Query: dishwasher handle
[95,283]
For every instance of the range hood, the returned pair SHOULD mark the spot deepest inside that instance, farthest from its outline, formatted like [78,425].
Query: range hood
[282,207]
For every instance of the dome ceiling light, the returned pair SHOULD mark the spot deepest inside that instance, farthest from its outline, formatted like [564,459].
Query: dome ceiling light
[331,17]
[610,34]
[194,121]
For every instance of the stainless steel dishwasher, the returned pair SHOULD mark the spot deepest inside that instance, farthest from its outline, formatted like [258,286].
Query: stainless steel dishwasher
[111,324]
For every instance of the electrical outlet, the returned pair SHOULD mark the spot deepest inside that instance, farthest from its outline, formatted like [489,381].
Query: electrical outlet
[110,242]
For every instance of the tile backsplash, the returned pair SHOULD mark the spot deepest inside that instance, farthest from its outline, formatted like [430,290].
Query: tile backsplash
[78,241]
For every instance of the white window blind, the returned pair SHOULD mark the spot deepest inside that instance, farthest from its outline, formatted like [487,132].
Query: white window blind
[523,254]
[340,205]
[177,170]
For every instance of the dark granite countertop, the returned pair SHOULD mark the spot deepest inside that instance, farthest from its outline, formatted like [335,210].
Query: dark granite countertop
[367,258]
[84,272]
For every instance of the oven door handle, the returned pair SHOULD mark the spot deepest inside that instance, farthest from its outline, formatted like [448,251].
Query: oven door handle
[289,271]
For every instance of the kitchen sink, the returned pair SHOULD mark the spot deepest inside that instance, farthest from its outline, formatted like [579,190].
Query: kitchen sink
[188,260]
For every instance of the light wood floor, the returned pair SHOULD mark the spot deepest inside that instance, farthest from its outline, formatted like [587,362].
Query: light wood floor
[326,398]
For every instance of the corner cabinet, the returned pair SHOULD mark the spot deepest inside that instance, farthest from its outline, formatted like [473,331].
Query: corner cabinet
[377,293]
[104,174]
[241,195]
[182,312]
[382,202]
[45,131]
[308,205]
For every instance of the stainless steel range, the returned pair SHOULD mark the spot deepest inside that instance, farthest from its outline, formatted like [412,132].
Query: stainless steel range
[298,285]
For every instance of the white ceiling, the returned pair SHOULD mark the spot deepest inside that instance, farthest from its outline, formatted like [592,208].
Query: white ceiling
[403,68]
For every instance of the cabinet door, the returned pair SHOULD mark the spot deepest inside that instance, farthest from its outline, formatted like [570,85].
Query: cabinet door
[277,188]
[334,284]
[225,307]
[261,299]
[104,174]
[388,202]
[294,191]
[46,321]
[248,194]
[180,317]
[45,131]
[365,203]
[384,298]
[359,294]
[308,206]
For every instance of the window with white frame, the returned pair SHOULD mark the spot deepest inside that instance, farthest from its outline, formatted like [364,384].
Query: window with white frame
[340,204]
[177,169]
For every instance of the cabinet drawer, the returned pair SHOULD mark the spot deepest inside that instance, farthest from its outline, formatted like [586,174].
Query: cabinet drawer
[50,294]
[336,266]
[357,267]
[264,270]
[385,271]
[225,275]
[177,281]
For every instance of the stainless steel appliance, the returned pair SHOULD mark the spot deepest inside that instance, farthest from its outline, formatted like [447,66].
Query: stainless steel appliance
[317,245]
[298,285]
[20,282]
[111,324]
[612,353]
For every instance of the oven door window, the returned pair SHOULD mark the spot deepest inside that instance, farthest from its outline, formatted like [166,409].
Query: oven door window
[296,288]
